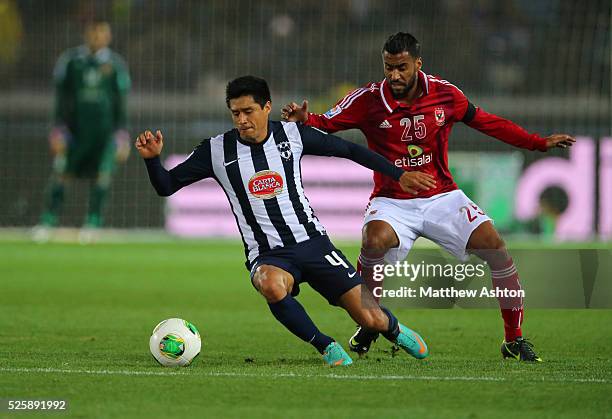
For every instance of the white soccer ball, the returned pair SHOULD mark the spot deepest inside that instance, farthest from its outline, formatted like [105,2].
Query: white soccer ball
[175,343]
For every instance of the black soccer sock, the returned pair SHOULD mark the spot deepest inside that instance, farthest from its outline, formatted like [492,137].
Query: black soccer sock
[293,316]
[394,330]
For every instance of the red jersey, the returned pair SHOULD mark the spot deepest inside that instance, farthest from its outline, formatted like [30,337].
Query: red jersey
[415,137]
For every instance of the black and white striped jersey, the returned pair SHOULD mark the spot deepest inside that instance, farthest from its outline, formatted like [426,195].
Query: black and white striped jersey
[263,181]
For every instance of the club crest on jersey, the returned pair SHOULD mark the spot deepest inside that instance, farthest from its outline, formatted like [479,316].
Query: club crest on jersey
[266,184]
[332,112]
[440,118]
[284,149]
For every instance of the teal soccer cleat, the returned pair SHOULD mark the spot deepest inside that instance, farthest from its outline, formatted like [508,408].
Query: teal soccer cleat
[412,342]
[335,355]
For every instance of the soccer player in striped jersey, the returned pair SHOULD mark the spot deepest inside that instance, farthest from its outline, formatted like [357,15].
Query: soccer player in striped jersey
[258,166]
[407,117]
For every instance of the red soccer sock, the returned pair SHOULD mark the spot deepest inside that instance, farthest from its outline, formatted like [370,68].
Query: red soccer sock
[365,267]
[506,278]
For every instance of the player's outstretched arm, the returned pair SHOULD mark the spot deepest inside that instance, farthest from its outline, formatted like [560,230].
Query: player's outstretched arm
[349,112]
[559,141]
[197,166]
[413,182]
[511,133]
[322,144]
[292,112]
[148,145]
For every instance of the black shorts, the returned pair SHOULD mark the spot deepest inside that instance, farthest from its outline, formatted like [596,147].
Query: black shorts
[317,262]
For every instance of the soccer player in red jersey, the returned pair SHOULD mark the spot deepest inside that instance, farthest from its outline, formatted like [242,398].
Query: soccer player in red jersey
[407,117]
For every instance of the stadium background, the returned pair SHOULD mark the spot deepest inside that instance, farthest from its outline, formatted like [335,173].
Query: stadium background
[75,320]
[544,64]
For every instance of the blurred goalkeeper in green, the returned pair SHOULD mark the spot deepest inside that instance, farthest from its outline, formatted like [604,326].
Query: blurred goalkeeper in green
[89,135]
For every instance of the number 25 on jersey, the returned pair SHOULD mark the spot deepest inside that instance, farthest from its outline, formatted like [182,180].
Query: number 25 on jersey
[420,129]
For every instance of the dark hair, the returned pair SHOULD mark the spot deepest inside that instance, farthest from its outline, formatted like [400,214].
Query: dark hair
[402,42]
[248,86]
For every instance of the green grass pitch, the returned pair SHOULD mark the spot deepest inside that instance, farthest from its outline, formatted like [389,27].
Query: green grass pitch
[75,323]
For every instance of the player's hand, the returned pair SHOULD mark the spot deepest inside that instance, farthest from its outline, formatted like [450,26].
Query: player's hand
[58,139]
[149,145]
[559,141]
[122,138]
[414,182]
[293,112]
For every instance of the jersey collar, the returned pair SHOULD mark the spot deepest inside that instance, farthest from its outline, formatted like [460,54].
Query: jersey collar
[260,144]
[101,56]
[387,96]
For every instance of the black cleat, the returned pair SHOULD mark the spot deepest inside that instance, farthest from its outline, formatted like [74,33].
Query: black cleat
[520,349]
[361,341]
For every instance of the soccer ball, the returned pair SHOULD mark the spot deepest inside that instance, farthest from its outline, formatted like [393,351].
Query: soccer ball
[175,343]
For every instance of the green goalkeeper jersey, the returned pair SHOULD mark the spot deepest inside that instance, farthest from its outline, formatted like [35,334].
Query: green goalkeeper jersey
[91,92]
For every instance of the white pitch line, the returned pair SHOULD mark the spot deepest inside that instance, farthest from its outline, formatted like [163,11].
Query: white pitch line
[297,375]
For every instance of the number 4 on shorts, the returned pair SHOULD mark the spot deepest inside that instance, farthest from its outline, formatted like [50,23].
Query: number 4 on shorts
[335,259]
